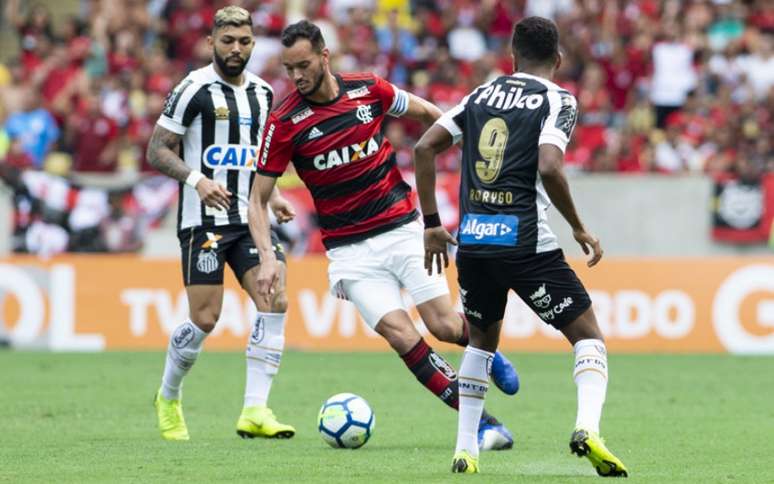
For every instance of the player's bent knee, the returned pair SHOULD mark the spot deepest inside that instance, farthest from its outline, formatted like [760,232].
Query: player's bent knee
[399,333]
[279,303]
[263,303]
[441,319]
[583,327]
[205,325]
[205,320]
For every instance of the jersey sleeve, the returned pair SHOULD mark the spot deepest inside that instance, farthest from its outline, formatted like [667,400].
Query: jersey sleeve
[179,108]
[562,114]
[453,120]
[395,101]
[276,148]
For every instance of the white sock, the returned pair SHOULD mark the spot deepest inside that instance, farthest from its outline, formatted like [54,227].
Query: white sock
[264,354]
[183,349]
[590,377]
[473,381]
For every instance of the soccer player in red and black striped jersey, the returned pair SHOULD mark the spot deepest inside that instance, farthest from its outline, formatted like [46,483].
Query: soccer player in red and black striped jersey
[331,129]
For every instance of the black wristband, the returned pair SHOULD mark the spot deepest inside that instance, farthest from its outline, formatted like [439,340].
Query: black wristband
[431,220]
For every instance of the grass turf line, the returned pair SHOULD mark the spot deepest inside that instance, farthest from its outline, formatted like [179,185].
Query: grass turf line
[89,418]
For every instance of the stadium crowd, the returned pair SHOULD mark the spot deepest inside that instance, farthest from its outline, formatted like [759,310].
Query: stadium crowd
[663,86]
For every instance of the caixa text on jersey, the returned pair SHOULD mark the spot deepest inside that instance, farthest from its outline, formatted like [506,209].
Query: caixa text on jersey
[231,156]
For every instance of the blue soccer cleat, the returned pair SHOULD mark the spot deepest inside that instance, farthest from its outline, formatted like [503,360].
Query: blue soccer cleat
[492,435]
[504,374]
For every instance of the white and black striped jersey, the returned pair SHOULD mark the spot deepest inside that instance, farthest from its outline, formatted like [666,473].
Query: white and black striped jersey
[502,201]
[222,127]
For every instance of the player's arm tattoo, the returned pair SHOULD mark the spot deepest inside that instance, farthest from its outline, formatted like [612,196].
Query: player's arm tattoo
[162,154]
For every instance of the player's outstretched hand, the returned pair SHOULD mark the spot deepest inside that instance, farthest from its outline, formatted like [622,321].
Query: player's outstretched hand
[436,239]
[268,272]
[213,194]
[282,209]
[589,244]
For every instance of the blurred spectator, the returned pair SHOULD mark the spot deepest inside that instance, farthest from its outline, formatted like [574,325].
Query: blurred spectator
[673,74]
[664,86]
[92,137]
[119,231]
[673,152]
[32,131]
[400,45]
[466,42]
[34,29]
[758,66]
[728,25]
[12,87]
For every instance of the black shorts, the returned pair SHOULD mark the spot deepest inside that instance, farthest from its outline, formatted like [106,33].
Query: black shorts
[204,250]
[545,282]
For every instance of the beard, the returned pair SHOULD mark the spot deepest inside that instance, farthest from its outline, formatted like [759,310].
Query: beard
[230,70]
[315,86]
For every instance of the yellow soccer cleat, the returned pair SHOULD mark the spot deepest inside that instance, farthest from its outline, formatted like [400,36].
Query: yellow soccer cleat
[260,422]
[584,443]
[464,463]
[171,421]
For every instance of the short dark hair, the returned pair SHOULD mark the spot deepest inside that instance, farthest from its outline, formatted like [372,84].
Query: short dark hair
[535,40]
[303,29]
[231,16]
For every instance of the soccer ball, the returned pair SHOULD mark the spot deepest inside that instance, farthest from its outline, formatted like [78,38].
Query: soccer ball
[346,420]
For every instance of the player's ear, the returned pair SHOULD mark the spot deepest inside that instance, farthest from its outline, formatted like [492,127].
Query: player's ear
[210,41]
[558,60]
[515,63]
[326,55]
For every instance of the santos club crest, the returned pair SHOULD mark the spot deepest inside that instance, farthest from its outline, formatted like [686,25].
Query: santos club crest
[207,262]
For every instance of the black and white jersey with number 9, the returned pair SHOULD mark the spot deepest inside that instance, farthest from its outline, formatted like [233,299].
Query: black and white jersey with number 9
[502,201]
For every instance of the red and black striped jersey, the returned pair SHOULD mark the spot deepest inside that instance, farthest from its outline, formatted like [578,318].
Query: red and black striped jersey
[339,152]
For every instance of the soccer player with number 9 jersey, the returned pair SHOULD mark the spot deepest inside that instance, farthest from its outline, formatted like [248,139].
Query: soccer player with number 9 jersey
[515,129]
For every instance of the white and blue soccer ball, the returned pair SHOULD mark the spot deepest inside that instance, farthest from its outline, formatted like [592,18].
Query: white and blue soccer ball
[346,421]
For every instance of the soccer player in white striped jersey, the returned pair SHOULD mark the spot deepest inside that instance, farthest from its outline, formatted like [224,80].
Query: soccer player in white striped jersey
[208,139]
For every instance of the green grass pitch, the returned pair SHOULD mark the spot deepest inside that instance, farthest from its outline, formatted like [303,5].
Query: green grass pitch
[89,418]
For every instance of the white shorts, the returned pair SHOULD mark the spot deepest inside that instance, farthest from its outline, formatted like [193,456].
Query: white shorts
[372,273]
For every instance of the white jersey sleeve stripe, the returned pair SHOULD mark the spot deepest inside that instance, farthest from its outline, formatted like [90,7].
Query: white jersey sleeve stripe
[447,120]
[560,122]
[400,103]
[172,116]
[171,125]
